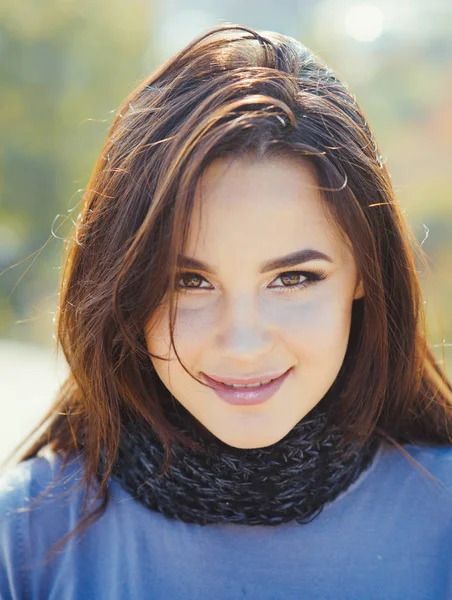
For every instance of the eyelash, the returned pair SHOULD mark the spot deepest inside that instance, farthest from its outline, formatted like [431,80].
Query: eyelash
[310,278]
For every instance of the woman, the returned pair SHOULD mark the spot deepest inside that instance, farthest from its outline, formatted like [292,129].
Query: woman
[252,408]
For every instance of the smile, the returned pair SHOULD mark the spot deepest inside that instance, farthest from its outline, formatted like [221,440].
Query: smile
[246,394]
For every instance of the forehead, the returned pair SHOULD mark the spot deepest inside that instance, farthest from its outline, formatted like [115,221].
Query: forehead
[248,208]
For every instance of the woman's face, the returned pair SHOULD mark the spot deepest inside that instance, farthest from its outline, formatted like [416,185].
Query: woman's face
[242,316]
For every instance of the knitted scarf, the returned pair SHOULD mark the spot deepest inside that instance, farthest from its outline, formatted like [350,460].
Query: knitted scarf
[290,480]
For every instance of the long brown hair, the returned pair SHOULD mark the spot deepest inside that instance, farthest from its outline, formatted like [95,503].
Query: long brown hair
[232,91]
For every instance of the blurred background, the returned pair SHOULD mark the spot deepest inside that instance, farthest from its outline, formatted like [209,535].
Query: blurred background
[66,65]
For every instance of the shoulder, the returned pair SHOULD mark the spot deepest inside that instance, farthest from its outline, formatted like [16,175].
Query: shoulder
[426,469]
[437,457]
[39,499]
[38,489]
[45,475]
[436,460]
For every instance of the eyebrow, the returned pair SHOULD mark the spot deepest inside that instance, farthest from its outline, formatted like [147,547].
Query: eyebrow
[282,262]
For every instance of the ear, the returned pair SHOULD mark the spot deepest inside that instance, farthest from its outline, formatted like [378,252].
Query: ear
[359,290]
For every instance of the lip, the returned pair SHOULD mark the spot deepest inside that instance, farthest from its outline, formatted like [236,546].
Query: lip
[243,380]
[249,396]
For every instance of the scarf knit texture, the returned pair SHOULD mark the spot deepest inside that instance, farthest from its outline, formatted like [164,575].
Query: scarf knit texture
[290,480]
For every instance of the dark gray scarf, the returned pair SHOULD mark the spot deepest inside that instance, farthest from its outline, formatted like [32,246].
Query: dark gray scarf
[292,479]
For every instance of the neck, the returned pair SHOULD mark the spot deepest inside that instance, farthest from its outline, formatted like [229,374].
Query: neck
[290,480]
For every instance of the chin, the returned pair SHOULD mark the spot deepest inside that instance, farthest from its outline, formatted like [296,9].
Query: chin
[249,441]
[247,445]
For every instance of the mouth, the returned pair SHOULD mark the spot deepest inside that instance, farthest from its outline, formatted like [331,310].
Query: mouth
[239,393]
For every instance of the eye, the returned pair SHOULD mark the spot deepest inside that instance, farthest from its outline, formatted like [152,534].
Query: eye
[295,280]
[291,281]
[191,281]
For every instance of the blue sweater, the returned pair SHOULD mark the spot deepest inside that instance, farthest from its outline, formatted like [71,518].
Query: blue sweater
[388,537]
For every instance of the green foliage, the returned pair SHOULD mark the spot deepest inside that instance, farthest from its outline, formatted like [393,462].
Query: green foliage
[66,67]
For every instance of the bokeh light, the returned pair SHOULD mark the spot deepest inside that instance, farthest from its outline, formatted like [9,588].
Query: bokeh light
[364,22]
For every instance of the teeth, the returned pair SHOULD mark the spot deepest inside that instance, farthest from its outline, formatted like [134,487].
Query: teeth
[236,385]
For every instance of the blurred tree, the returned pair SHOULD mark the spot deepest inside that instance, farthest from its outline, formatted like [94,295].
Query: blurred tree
[66,65]
[403,81]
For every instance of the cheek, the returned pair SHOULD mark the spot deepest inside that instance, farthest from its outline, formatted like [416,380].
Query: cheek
[191,331]
[192,341]
[316,326]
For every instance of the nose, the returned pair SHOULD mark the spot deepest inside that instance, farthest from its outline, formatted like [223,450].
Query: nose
[244,334]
